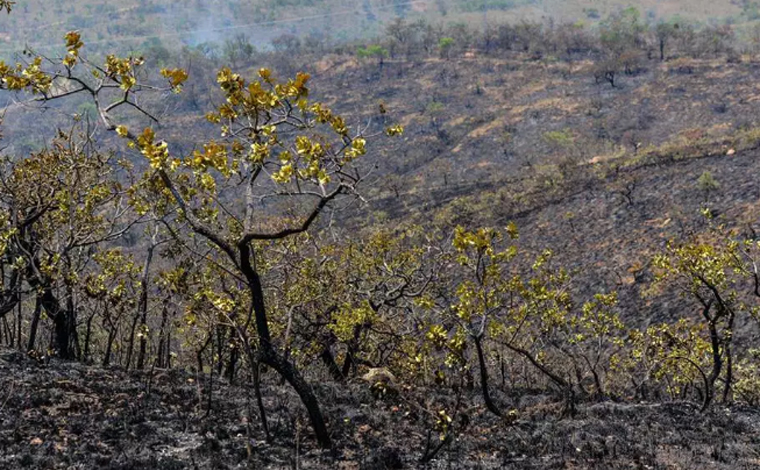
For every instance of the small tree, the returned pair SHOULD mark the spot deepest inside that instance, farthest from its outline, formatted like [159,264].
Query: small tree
[445,46]
[607,70]
[478,298]
[56,207]
[301,163]
[710,270]
[530,314]
[374,51]
[237,50]
[707,183]
[665,31]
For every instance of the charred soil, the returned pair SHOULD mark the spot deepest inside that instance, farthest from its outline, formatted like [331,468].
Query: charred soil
[72,416]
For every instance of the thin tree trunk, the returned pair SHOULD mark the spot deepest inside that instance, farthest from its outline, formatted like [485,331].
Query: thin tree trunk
[87,336]
[109,347]
[717,364]
[329,361]
[232,362]
[142,311]
[71,318]
[348,363]
[131,342]
[18,313]
[220,348]
[168,347]
[199,355]
[269,355]
[210,396]
[729,373]
[484,378]
[304,391]
[10,332]
[111,335]
[163,355]
[34,325]
[729,358]
[256,369]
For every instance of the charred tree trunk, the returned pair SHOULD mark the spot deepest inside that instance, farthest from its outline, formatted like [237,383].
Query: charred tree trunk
[220,333]
[729,373]
[71,318]
[256,367]
[199,355]
[109,346]
[717,359]
[34,324]
[62,324]
[348,363]
[484,378]
[729,357]
[142,310]
[329,361]
[11,298]
[112,329]
[232,361]
[269,355]
[87,336]
[131,342]
[18,326]
[163,343]
[167,354]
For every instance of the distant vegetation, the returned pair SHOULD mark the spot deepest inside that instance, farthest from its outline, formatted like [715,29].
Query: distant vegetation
[130,24]
[480,213]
